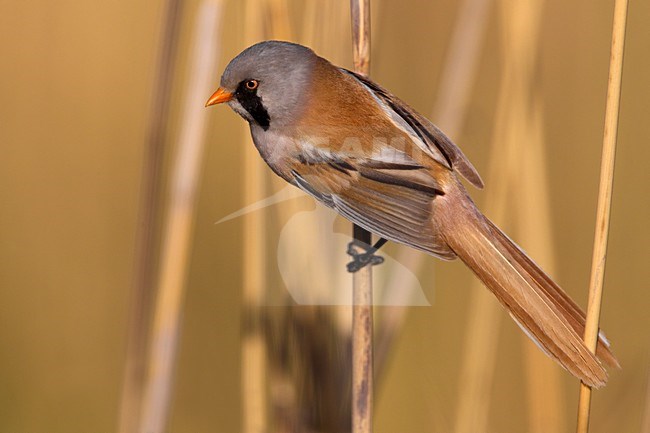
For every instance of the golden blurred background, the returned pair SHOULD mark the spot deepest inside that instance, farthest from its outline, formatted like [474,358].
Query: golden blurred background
[77,80]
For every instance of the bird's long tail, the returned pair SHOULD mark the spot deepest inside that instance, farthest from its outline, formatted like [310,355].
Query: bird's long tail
[540,307]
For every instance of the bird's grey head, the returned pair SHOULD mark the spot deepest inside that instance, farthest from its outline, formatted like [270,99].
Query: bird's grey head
[268,81]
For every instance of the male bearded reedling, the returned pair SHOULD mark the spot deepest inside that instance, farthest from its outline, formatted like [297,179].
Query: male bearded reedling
[360,150]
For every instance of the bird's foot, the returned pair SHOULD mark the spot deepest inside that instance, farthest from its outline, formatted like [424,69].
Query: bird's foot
[361,260]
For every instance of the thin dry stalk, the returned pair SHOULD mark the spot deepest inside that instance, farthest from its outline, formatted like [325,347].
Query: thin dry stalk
[316,274]
[307,368]
[514,124]
[454,89]
[449,113]
[362,328]
[178,228]
[145,258]
[546,401]
[604,199]
[532,217]
[645,423]
[360,14]
[253,351]
[362,350]
[280,21]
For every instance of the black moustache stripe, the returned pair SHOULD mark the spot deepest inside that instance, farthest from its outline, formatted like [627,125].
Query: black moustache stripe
[253,104]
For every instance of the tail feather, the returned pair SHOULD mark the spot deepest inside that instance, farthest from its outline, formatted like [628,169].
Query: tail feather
[537,304]
[569,309]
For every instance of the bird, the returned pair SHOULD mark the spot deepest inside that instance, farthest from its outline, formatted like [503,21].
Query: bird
[360,150]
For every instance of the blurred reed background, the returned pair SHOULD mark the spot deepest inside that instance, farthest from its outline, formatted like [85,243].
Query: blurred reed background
[525,99]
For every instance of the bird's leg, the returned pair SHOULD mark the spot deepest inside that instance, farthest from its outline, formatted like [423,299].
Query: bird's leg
[359,260]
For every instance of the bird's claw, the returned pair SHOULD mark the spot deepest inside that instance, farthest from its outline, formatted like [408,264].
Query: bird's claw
[361,260]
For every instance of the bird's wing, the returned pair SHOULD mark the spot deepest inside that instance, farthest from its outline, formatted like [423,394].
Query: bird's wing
[391,200]
[427,135]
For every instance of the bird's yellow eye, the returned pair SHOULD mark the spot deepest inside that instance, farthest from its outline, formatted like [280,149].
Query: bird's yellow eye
[252,84]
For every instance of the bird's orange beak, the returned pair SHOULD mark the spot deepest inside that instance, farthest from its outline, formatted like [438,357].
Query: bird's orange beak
[220,96]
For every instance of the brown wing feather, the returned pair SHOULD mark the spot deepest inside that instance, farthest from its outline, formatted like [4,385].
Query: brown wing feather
[429,133]
[390,202]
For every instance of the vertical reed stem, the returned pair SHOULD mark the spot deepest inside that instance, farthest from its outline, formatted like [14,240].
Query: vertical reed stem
[360,12]
[253,349]
[177,232]
[143,275]
[362,350]
[457,77]
[604,199]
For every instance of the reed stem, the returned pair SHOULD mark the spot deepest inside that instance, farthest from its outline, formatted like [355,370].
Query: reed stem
[604,199]
[177,232]
[458,74]
[144,268]
[253,348]
[362,314]
[362,343]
